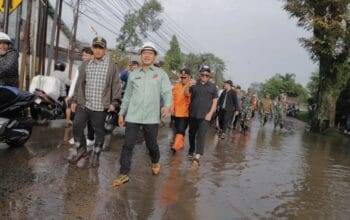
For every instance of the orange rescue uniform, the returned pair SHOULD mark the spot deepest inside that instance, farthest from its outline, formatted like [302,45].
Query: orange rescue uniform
[180,109]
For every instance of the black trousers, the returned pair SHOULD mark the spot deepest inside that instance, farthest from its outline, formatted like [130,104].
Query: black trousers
[225,118]
[197,132]
[237,119]
[97,119]
[181,124]
[150,132]
[90,131]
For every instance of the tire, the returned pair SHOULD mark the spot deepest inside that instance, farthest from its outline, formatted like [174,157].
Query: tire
[20,134]
[18,142]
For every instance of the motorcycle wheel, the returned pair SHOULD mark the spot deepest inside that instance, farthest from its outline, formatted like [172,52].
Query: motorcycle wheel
[21,133]
[18,142]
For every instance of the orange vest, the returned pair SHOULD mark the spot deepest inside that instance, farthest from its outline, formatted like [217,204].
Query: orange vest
[181,101]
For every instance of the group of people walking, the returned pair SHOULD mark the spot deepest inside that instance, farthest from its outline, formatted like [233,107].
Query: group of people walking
[138,98]
[147,97]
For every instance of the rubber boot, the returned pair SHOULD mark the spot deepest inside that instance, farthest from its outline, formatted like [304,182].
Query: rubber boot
[77,152]
[179,142]
[95,155]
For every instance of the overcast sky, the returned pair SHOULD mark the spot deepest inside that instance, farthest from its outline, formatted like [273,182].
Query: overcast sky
[256,38]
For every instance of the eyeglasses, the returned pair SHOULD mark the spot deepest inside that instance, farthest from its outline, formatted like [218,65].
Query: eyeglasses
[183,77]
[205,75]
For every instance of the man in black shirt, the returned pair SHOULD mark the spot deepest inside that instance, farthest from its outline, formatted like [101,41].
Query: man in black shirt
[228,107]
[204,97]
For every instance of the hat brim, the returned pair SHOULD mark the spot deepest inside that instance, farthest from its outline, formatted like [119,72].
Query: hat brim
[5,41]
[204,70]
[149,49]
[99,44]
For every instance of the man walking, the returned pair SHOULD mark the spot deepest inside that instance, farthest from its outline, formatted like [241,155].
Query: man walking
[204,98]
[141,109]
[265,109]
[86,55]
[180,108]
[228,107]
[97,91]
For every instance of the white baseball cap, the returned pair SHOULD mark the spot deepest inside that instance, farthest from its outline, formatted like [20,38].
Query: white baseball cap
[148,46]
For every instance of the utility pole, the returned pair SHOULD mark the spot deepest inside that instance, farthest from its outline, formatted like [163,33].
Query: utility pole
[42,38]
[6,15]
[52,41]
[34,41]
[59,23]
[71,51]
[25,66]
[18,28]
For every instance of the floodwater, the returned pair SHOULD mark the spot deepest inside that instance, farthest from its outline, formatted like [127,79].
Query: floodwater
[265,174]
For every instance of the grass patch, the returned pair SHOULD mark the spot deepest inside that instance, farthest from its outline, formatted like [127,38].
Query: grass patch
[303,116]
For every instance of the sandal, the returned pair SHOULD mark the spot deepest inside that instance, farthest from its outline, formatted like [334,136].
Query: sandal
[121,179]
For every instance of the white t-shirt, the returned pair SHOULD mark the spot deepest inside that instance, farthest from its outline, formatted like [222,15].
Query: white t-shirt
[73,84]
[64,79]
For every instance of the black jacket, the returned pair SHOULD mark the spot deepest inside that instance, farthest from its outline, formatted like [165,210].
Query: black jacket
[9,68]
[231,101]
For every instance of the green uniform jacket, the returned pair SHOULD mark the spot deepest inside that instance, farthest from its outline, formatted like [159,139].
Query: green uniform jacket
[141,102]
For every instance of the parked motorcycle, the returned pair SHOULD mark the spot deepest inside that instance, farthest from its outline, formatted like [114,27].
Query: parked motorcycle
[15,125]
[46,108]
[292,111]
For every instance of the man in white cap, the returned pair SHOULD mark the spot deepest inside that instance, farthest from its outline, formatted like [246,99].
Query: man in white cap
[141,109]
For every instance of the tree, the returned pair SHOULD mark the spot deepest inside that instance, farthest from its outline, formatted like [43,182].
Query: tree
[286,83]
[329,22]
[137,24]
[257,87]
[217,65]
[173,57]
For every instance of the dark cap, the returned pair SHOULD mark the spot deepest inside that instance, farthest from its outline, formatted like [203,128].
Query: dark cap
[204,68]
[229,82]
[99,41]
[185,71]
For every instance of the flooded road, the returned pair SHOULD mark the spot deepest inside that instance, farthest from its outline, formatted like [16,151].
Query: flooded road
[265,174]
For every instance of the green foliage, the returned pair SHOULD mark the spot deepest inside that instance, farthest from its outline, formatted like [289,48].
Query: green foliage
[329,21]
[173,57]
[257,87]
[313,84]
[284,84]
[217,65]
[120,58]
[137,24]
[303,116]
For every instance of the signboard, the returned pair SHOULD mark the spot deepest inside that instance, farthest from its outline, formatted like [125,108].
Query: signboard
[13,5]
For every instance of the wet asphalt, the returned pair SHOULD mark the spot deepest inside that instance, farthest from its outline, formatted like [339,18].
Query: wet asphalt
[266,173]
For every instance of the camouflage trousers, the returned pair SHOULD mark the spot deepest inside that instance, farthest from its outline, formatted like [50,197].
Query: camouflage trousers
[264,117]
[278,119]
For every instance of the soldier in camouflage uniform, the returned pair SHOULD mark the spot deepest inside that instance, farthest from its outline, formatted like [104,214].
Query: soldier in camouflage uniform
[278,112]
[246,111]
[265,109]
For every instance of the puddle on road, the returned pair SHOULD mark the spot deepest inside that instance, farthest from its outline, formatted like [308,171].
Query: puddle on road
[263,174]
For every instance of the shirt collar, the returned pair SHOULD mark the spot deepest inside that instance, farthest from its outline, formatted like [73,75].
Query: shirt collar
[151,67]
[103,59]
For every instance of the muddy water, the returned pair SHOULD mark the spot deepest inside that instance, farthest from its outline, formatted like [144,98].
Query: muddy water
[266,174]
